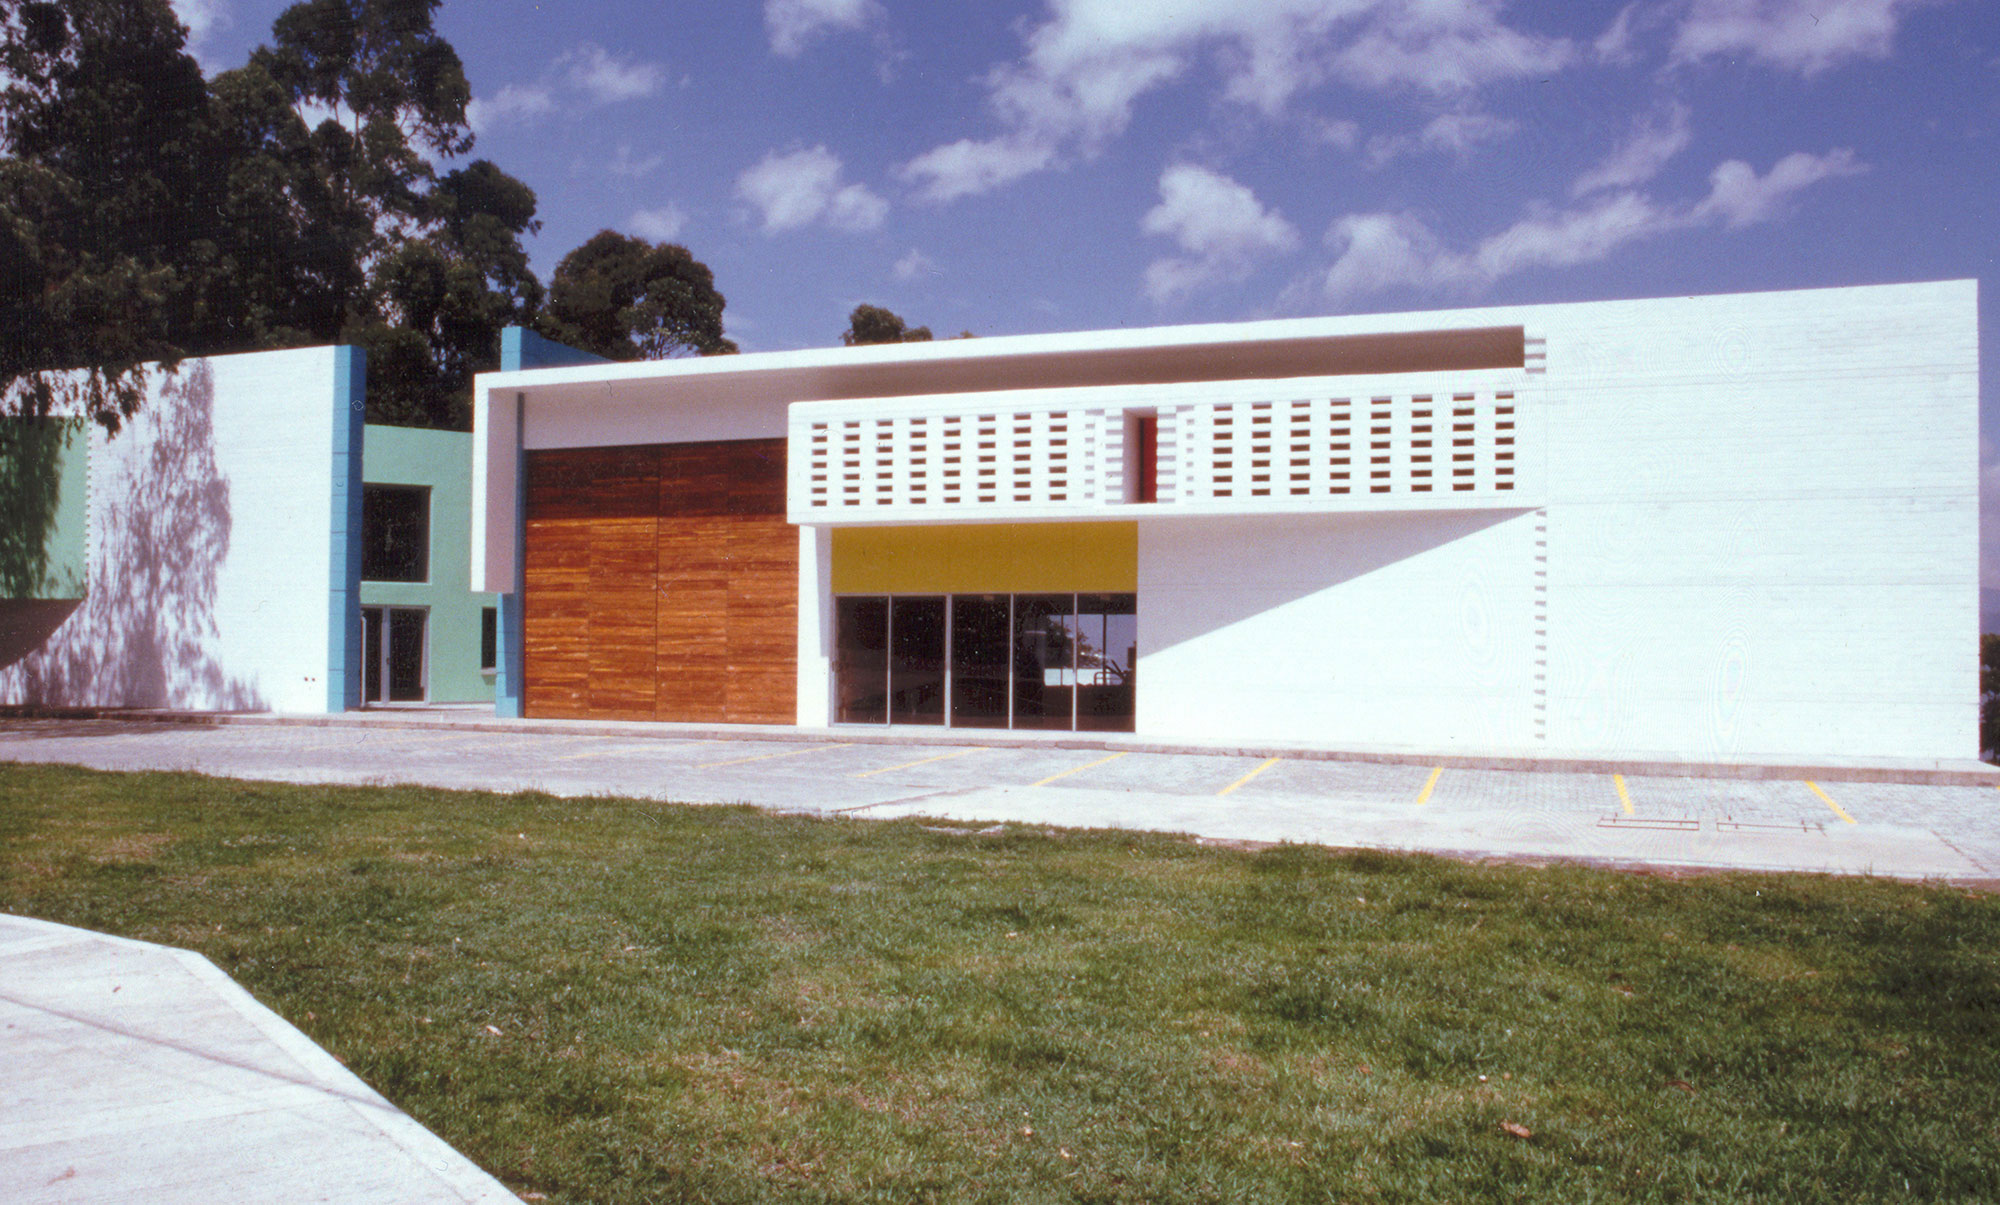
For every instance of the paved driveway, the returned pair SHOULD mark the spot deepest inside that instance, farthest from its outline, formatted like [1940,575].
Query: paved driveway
[1907,831]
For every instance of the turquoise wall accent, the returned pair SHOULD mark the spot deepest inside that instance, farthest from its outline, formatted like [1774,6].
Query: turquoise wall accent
[441,460]
[522,348]
[44,496]
[343,651]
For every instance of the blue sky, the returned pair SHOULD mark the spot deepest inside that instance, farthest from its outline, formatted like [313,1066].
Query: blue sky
[1036,165]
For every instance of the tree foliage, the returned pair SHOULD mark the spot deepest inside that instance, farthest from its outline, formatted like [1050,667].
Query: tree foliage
[147,214]
[873,324]
[627,299]
[1989,696]
[101,117]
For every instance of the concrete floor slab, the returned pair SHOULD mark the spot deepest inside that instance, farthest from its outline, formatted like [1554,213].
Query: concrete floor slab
[136,1072]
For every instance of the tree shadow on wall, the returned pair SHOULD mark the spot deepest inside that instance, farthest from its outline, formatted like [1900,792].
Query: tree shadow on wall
[145,635]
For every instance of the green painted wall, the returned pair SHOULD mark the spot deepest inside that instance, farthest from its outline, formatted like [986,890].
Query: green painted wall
[44,491]
[441,460]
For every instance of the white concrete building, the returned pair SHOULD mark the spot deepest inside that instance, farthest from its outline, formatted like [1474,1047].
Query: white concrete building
[219,572]
[1722,528]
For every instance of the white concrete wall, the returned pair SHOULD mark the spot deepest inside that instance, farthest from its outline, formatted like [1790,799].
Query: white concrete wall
[1409,629]
[210,579]
[1761,542]
[1764,524]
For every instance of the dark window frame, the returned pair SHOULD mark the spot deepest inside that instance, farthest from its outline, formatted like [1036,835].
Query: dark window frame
[384,558]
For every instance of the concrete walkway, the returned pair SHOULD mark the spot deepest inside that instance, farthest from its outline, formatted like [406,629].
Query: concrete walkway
[133,1072]
[1613,815]
[480,718]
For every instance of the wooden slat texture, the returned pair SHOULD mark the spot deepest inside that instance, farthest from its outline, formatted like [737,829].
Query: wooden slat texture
[662,583]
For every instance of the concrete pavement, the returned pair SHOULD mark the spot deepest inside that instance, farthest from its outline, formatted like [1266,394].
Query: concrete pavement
[135,1072]
[1605,815]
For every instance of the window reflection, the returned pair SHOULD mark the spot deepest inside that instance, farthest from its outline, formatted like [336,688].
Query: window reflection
[1044,661]
[1107,652]
[1033,661]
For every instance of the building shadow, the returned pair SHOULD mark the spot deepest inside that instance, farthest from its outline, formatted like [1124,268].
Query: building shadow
[1263,573]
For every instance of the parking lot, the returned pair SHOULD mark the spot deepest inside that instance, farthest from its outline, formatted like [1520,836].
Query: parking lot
[1633,820]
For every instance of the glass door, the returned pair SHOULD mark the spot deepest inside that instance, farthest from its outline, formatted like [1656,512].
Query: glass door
[395,654]
[916,660]
[1045,661]
[979,675]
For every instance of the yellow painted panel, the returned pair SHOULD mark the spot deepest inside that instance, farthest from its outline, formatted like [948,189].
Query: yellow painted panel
[987,558]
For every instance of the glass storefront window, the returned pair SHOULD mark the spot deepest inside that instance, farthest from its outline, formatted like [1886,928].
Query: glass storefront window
[861,660]
[979,627]
[1107,651]
[1057,662]
[1045,661]
[916,660]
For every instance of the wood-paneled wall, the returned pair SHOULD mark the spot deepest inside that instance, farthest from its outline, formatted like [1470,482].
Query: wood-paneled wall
[662,584]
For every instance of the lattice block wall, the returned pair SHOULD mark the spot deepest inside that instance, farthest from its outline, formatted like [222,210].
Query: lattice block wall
[1329,443]
[1346,445]
[1000,457]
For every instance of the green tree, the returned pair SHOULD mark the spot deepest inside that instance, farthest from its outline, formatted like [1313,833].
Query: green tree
[444,298]
[627,299]
[391,82]
[441,264]
[282,269]
[873,324]
[1989,696]
[101,118]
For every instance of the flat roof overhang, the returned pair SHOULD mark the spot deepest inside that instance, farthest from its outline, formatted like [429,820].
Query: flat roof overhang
[1020,362]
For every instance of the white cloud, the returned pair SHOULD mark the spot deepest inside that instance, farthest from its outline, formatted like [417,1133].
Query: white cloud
[1655,140]
[914,265]
[1740,197]
[203,18]
[793,24]
[1088,65]
[1455,134]
[1221,226]
[588,73]
[513,102]
[1378,250]
[1806,36]
[592,70]
[804,187]
[1564,238]
[966,168]
[1338,132]
[624,164]
[661,225]
[1381,250]
[1619,43]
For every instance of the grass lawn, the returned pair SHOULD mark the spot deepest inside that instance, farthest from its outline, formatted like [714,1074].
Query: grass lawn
[713,1004]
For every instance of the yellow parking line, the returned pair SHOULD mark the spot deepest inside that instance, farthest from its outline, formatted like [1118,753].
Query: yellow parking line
[924,762]
[1837,809]
[1247,777]
[737,761]
[1618,780]
[1424,796]
[1076,770]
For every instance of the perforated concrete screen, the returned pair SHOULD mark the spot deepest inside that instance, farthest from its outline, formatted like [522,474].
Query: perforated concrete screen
[1384,438]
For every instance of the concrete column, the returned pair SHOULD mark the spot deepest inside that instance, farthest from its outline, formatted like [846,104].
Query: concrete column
[815,627]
